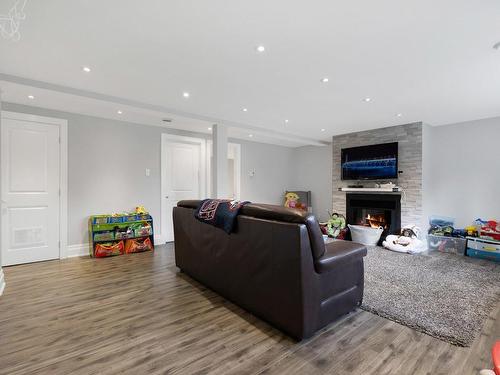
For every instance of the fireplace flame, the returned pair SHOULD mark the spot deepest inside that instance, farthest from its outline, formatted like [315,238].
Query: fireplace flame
[376,221]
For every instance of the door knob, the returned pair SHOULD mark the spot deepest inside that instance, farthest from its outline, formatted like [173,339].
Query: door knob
[166,196]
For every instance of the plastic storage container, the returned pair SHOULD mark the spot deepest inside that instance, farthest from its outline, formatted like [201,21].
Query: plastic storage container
[454,245]
[483,248]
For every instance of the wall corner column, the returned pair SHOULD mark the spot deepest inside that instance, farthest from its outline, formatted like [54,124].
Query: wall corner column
[219,163]
[2,277]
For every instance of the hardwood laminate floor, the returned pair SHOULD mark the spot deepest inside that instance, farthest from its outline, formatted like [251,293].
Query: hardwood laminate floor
[137,314]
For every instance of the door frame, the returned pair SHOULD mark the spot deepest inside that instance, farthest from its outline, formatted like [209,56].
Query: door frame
[63,169]
[163,174]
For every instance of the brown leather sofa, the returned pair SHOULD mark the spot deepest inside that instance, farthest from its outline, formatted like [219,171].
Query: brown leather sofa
[275,265]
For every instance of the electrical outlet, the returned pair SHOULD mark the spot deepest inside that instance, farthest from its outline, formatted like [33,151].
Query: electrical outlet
[148,172]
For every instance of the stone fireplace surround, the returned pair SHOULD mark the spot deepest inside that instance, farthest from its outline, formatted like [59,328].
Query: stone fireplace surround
[385,211]
[409,138]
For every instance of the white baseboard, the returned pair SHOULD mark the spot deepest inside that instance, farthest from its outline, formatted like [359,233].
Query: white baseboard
[78,250]
[159,240]
[2,281]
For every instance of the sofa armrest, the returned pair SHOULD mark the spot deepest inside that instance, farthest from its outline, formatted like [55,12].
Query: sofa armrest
[338,253]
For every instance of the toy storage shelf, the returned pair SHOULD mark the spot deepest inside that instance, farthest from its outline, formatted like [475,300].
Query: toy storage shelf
[119,234]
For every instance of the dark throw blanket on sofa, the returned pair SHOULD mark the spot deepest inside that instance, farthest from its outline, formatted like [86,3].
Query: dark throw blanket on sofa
[220,213]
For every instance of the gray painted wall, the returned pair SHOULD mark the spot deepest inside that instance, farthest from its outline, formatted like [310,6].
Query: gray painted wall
[463,178]
[96,185]
[409,137]
[273,172]
[312,170]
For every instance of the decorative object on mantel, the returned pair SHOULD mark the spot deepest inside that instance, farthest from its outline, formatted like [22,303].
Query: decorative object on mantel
[365,235]
[442,295]
[374,189]
[408,242]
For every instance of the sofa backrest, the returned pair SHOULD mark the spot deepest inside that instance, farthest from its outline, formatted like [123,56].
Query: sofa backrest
[279,213]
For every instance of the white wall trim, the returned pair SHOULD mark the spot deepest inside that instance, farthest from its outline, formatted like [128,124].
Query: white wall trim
[2,281]
[63,165]
[163,175]
[78,250]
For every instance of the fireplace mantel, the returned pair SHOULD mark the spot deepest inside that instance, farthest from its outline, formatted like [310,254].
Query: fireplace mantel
[384,190]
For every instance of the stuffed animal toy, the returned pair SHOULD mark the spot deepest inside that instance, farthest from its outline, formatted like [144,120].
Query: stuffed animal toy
[335,225]
[140,210]
[407,242]
[292,201]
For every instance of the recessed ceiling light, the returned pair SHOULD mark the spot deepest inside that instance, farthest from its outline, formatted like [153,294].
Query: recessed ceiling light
[185,94]
[496,45]
[399,114]
[119,112]
[367,99]
[250,135]
[86,69]
[245,109]
[209,128]
[325,80]
[31,97]
[260,48]
[286,121]
[323,130]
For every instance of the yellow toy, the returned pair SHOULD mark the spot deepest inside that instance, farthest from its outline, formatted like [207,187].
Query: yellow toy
[291,200]
[140,210]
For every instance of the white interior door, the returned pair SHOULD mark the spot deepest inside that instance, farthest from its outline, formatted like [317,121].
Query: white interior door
[183,175]
[30,191]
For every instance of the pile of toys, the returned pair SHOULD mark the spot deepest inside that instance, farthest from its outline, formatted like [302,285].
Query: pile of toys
[483,240]
[479,240]
[118,234]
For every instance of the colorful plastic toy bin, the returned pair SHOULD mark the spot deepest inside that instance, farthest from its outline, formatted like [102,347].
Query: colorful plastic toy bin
[111,235]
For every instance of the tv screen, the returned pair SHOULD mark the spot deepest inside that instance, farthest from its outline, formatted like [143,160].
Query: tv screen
[376,162]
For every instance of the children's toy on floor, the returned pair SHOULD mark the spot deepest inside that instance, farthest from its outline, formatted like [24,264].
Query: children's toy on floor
[483,248]
[443,237]
[441,226]
[118,234]
[489,229]
[336,226]
[495,356]
[407,242]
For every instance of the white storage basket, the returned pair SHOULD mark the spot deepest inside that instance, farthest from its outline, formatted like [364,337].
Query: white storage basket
[365,235]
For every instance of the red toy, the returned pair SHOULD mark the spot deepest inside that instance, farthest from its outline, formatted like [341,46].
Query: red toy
[495,356]
[491,229]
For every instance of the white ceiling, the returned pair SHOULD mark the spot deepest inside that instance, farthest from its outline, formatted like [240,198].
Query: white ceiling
[431,61]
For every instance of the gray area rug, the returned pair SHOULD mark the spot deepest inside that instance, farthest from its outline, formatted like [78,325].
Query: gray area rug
[443,295]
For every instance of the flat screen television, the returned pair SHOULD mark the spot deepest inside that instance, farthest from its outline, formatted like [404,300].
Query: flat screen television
[375,162]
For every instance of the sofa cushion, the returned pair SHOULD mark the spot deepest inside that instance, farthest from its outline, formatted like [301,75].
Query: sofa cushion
[338,253]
